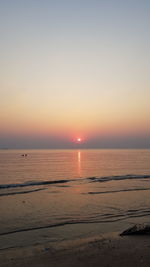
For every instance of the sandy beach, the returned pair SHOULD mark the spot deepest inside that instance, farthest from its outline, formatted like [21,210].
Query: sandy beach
[106,250]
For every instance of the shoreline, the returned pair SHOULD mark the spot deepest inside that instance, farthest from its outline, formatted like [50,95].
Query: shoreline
[110,250]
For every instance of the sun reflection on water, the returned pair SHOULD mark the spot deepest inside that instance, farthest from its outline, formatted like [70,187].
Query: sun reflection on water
[79,163]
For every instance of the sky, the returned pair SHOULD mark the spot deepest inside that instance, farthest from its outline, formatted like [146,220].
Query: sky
[74,69]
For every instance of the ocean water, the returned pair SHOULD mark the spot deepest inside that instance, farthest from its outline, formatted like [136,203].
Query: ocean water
[51,196]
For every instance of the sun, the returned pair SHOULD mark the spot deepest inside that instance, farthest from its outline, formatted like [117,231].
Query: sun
[78,140]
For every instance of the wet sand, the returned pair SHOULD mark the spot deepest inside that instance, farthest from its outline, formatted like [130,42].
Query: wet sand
[106,251]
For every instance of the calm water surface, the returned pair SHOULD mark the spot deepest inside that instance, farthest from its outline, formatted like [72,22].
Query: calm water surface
[56,195]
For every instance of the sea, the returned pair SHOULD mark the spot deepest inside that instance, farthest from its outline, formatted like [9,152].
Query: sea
[54,196]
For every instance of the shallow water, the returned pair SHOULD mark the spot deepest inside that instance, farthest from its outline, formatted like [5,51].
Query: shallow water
[55,195]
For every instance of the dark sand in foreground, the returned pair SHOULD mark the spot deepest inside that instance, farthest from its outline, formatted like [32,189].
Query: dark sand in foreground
[103,251]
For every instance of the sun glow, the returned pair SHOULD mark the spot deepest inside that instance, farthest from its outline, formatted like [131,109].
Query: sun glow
[78,140]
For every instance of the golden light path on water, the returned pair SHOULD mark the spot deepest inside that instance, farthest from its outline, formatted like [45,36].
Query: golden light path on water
[79,163]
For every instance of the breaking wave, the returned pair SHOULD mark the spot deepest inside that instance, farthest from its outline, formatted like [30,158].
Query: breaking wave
[64,181]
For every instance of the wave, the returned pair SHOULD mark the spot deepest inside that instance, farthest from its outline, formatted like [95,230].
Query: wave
[118,178]
[64,181]
[93,219]
[33,183]
[56,225]
[117,191]
[21,192]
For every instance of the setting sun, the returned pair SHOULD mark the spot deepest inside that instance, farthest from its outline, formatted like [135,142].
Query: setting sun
[78,140]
